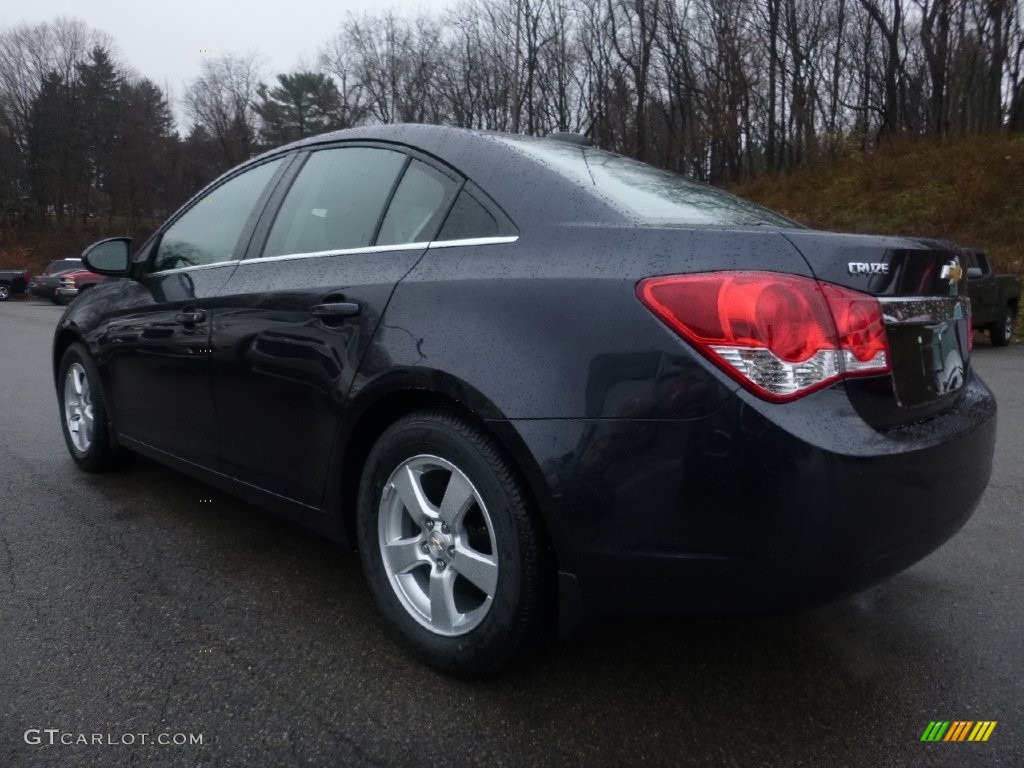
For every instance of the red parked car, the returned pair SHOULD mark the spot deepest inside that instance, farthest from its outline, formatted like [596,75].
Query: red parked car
[74,283]
[45,285]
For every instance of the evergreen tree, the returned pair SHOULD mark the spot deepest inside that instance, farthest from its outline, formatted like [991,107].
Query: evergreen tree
[302,104]
[56,161]
[101,107]
[144,177]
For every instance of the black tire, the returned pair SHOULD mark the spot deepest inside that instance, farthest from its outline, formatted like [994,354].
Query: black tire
[5,291]
[101,453]
[520,610]
[1001,331]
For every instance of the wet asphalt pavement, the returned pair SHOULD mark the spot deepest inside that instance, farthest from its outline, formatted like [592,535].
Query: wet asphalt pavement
[146,603]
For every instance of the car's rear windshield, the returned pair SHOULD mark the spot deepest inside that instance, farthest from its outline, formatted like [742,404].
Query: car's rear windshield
[647,192]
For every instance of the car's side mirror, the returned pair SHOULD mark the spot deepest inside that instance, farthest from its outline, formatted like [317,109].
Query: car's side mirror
[973,273]
[108,257]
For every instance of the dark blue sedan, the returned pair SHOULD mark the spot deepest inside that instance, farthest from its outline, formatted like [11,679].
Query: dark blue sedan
[533,381]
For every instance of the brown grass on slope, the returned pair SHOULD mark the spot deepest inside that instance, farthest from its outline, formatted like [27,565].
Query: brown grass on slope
[968,190]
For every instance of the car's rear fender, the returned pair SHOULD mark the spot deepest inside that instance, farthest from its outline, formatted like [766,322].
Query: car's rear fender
[381,398]
[550,326]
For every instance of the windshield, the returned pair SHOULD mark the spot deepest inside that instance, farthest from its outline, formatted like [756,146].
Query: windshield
[647,192]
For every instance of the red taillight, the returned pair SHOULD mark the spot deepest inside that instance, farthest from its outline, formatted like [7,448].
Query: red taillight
[781,336]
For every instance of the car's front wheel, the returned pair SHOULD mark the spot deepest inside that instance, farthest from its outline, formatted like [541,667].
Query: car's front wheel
[451,547]
[5,291]
[84,412]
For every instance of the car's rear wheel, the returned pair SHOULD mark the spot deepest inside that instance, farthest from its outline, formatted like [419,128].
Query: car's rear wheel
[5,291]
[84,413]
[452,550]
[1002,329]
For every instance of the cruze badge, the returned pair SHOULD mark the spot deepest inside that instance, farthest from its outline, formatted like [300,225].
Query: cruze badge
[952,272]
[867,268]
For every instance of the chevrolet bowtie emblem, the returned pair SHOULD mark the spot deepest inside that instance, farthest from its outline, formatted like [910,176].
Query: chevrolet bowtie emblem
[952,272]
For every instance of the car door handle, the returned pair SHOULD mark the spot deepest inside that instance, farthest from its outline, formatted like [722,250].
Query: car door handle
[191,316]
[336,309]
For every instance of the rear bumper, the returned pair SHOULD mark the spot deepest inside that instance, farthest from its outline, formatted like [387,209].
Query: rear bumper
[758,507]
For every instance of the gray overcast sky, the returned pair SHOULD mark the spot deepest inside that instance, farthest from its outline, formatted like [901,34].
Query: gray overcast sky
[162,40]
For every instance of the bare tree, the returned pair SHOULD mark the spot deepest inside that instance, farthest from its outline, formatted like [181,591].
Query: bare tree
[889,23]
[338,60]
[222,99]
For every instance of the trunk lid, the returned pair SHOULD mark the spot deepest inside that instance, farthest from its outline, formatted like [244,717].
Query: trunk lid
[922,289]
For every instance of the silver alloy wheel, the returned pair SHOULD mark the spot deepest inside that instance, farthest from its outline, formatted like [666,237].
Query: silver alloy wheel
[1010,323]
[78,412]
[437,545]
[5,292]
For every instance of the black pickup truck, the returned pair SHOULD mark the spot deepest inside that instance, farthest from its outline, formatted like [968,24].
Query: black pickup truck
[13,281]
[995,299]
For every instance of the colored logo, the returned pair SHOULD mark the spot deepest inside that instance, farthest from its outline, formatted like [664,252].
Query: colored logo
[958,730]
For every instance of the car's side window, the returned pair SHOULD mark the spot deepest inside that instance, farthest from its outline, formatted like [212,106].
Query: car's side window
[336,201]
[417,206]
[468,219]
[208,232]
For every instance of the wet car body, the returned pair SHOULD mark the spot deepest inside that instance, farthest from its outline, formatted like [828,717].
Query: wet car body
[664,484]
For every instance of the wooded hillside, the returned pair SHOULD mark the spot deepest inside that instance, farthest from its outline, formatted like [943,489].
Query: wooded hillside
[722,90]
[968,190]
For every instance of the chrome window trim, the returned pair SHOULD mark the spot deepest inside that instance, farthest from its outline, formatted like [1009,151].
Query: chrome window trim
[428,245]
[385,248]
[193,268]
[340,252]
[473,241]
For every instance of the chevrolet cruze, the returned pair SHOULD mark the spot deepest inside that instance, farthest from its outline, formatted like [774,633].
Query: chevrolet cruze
[532,382]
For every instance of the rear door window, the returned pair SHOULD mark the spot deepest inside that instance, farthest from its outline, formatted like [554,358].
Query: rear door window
[336,201]
[468,219]
[417,206]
